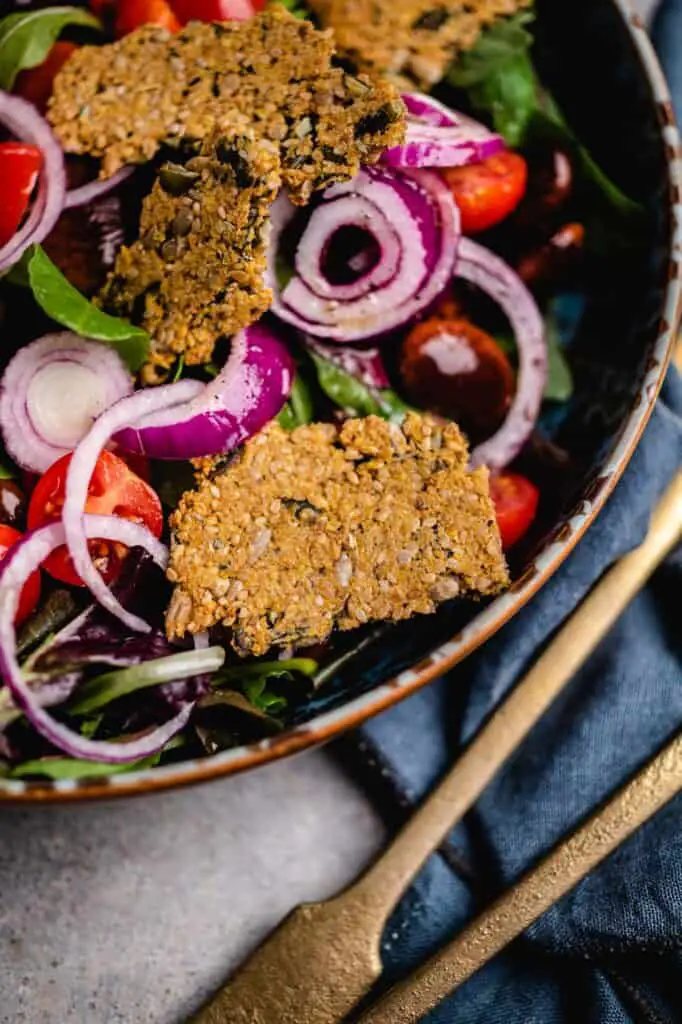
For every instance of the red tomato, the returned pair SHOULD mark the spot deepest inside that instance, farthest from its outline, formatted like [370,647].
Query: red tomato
[488,192]
[35,84]
[114,490]
[30,595]
[19,169]
[457,370]
[516,502]
[131,14]
[216,10]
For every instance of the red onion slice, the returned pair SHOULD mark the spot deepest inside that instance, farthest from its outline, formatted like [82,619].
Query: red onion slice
[127,410]
[422,107]
[438,137]
[85,194]
[23,121]
[52,391]
[24,558]
[249,391]
[355,212]
[492,275]
[419,209]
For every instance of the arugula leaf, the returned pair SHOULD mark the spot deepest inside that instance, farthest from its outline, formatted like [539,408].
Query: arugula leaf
[499,77]
[26,38]
[298,409]
[71,768]
[256,678]
[55,611]
[263,699]
[354,397]
[100,691]
[266,670]
[65,304]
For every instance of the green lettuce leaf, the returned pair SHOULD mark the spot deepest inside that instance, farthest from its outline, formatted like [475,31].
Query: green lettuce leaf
[26,38]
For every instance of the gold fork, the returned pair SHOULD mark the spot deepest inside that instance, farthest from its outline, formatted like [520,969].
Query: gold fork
[325,956]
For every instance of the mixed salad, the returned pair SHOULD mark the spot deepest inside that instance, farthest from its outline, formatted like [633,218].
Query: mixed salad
[433,279]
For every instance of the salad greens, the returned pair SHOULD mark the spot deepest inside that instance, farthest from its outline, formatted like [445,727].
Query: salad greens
[59,768]
[100,691]
[298,409]
[62,302]
[27,37]
[499,78]
[354,397]
[500,81]
[256,679]
[559,386]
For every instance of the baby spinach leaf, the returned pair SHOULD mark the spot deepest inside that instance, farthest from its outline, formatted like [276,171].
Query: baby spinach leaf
[354,397]
[298,409]
[58,768]
[65,304]
[26,38]
[499,77]
[500,80]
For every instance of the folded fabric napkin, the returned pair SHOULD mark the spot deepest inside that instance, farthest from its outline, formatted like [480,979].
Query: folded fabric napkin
[611,950]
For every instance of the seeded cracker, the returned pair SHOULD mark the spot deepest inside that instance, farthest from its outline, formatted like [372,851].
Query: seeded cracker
[412,40]
[196,272]
[120,102]
[322,528]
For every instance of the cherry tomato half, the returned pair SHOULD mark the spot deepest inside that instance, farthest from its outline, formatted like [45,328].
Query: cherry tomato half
[457,370]
[516,503]
[19,169]
[132,14]
[216,10]
[35,84]
[487,192]
[114,490]
[30,595]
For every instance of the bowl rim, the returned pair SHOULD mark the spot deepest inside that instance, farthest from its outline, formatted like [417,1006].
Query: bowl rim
[332,723]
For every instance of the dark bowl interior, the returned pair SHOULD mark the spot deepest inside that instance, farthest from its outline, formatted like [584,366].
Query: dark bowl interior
[587,57]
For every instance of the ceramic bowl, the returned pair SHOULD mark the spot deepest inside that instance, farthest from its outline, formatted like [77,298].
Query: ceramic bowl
[599,61]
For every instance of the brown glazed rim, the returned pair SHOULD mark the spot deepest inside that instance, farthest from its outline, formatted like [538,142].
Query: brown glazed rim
[358,710]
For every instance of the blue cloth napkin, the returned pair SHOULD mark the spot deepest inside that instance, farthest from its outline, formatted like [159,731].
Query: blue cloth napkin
[611,951]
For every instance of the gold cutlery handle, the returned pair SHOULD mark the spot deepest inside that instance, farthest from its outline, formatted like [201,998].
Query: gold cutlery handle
[510,915]
[384,883]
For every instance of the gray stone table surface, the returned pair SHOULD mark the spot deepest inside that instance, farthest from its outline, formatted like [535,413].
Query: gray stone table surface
[132,912]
